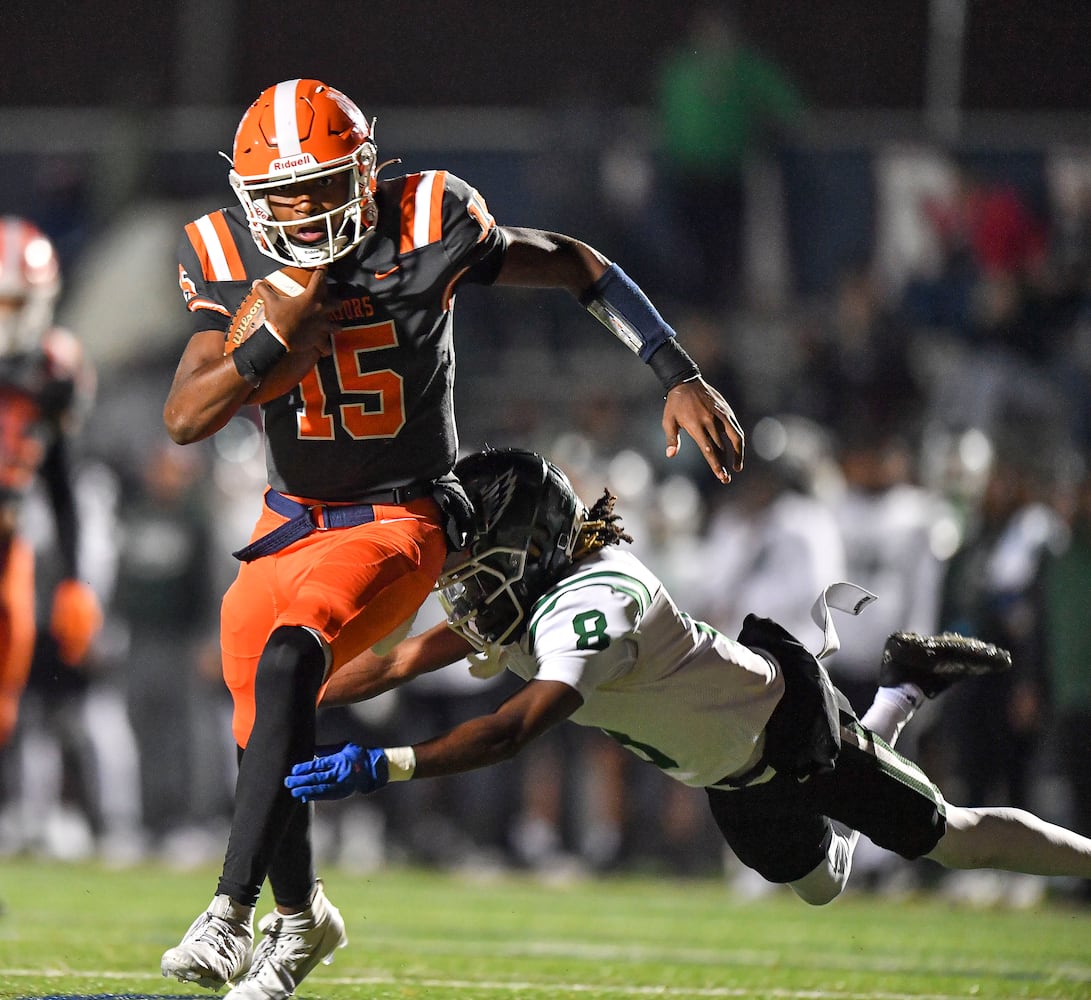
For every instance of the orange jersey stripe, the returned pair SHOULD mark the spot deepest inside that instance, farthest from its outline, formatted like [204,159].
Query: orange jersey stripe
[216,250]
[198,244]
[435,209]
[422,209]
[409,212]
[227,244]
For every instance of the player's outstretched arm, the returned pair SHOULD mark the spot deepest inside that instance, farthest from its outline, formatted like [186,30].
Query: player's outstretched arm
[476,743]
[490,739]
[535,258]
[368,674]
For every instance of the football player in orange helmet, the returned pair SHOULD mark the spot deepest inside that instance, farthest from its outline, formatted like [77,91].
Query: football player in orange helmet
[44,381]
[355,380]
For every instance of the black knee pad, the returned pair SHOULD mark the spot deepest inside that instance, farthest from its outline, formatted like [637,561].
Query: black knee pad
[292,665]
[770,829]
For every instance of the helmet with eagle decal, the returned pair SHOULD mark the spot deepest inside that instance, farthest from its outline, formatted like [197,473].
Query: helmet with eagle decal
[527,518]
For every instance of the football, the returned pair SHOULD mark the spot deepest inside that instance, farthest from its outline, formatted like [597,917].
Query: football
[251,312]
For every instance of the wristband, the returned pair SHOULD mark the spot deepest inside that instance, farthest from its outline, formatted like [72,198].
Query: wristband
[401,762]
[256,355]
[672,365]
[617,302]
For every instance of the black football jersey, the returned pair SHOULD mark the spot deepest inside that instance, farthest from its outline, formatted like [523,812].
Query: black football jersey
[37,393]
[379,411]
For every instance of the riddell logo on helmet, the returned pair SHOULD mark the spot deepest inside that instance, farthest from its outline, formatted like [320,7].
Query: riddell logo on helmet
[293,162]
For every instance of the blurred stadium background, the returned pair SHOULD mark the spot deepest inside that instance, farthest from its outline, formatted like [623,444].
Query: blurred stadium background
[110,123]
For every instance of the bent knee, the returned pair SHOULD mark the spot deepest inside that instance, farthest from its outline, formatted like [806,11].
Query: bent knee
[293,659]
[816,892]
[824,883]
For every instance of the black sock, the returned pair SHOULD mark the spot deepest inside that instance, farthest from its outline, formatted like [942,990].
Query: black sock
[289,675]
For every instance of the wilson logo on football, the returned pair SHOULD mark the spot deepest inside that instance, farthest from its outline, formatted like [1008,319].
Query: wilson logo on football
[245,322]
[251,312]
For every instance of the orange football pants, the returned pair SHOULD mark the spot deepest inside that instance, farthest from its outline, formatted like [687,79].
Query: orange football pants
[353,586]
[16,630]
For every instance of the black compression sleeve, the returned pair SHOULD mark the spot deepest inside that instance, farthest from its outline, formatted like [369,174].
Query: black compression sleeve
[672,365]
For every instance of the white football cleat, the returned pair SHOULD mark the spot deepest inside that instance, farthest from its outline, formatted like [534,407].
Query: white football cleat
[293,945]
[217,947]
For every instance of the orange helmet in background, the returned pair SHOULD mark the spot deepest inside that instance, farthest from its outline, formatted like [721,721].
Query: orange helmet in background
[30,281]
[302,130]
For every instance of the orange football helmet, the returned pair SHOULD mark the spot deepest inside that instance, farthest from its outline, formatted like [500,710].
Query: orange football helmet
[30,281]
[301,130]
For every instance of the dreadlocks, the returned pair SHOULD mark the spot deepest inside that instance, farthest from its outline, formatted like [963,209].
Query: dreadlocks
[600,528]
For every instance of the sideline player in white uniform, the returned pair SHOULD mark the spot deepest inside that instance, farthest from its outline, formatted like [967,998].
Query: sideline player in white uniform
[790,772]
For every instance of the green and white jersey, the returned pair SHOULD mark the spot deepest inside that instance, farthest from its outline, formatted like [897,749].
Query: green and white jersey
[674,691]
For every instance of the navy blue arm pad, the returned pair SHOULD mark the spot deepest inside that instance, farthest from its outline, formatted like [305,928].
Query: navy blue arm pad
[617,302]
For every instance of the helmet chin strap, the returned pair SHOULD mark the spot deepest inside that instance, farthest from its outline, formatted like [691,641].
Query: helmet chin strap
[312,256]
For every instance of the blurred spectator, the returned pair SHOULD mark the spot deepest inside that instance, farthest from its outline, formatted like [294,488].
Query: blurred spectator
[773,542]
[987,224]
[993,589]
[720,103]
[165,602]
[548,833]
[857,365]
[1069,250]
[993,302]
[1068,293]
[992,248]
[1068,645]
[897,535]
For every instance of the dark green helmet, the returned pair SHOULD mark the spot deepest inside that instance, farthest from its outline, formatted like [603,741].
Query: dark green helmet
[526,518]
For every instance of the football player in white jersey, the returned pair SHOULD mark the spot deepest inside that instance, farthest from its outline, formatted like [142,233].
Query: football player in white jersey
[792,775]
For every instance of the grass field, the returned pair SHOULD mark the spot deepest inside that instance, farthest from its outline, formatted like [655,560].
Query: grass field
[83,931]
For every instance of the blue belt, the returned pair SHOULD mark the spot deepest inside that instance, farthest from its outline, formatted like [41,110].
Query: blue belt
[305,519]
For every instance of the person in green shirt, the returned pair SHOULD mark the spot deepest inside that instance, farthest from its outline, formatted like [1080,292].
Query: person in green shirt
[719,101]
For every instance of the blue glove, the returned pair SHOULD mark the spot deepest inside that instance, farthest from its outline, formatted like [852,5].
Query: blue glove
[351,769]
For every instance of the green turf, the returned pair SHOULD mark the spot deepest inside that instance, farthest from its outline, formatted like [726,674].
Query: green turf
[81,930]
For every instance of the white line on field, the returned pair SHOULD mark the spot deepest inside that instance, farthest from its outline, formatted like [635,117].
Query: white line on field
[553,989]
